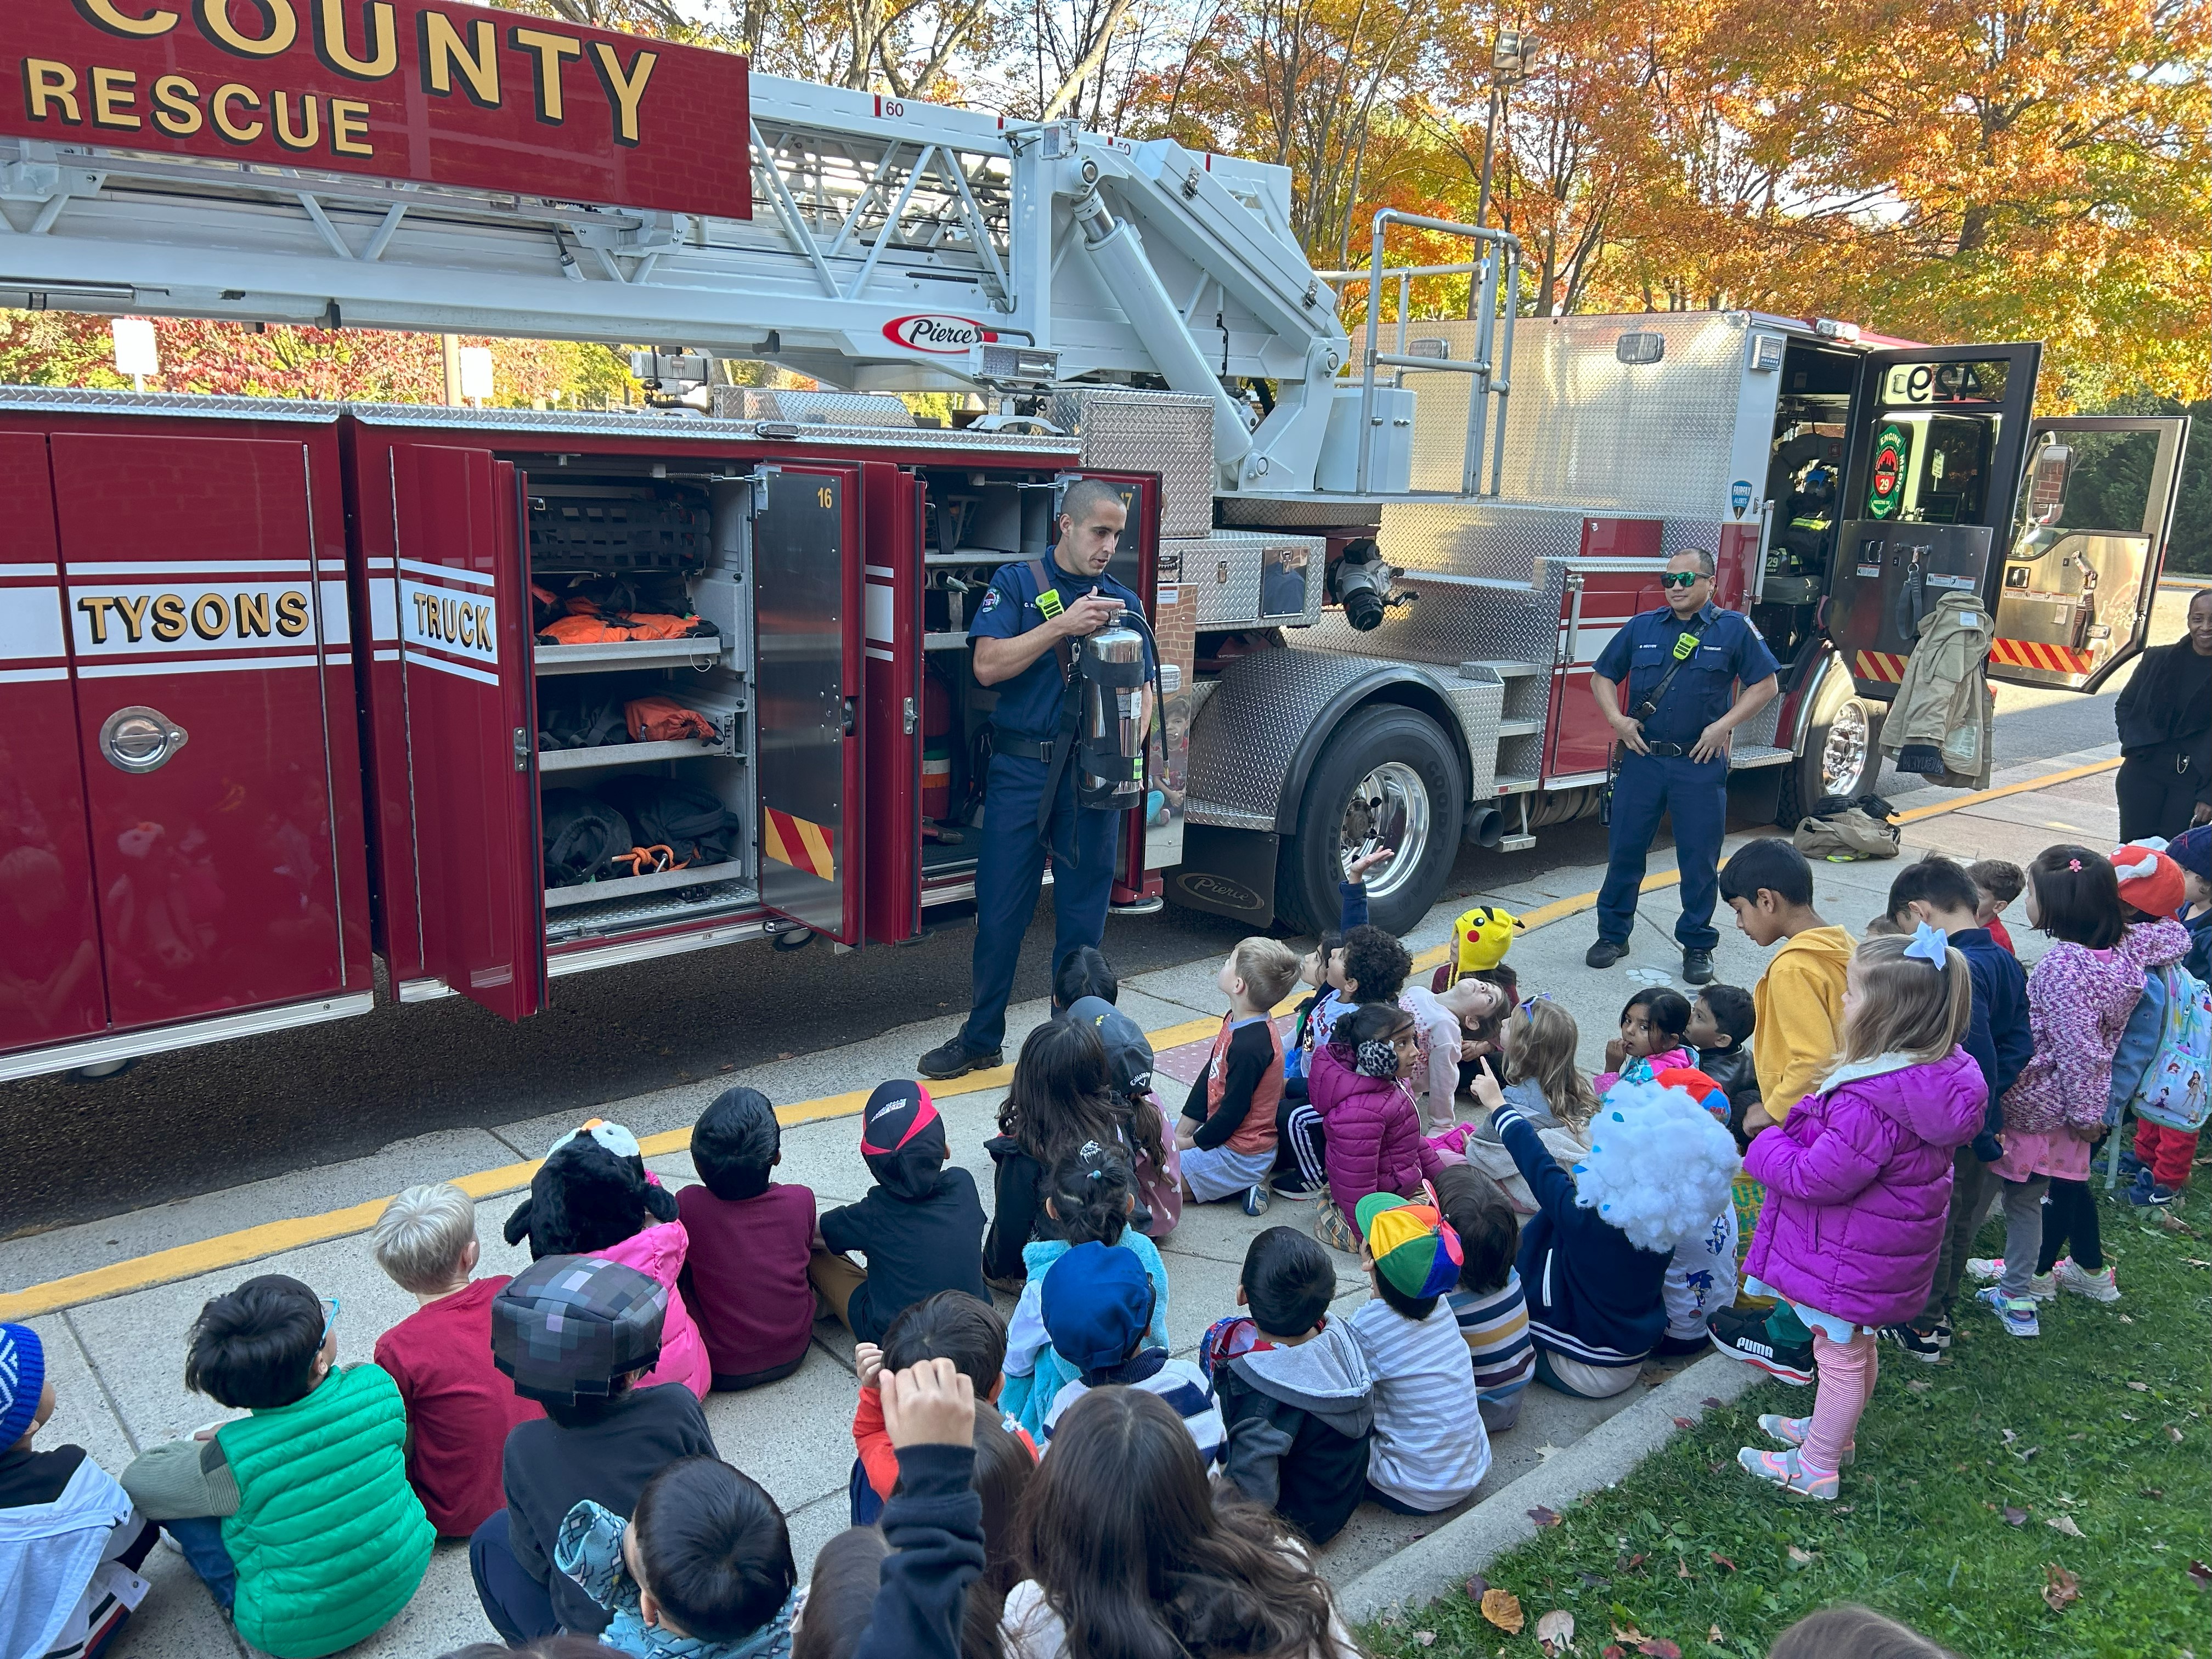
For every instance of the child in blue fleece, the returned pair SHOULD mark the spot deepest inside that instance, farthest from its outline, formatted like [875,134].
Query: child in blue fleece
[701,1569]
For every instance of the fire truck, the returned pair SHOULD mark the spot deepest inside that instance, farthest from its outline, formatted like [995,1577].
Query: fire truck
[288,686]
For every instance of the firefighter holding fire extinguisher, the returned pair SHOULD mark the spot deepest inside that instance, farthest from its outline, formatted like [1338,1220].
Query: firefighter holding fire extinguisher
[1025,640]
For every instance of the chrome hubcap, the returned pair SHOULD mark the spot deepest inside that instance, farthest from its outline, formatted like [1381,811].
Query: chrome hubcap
[1391,792]
[1842,758]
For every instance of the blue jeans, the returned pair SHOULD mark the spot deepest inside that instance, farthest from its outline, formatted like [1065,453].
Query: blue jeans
[1695,794]
[200,1538]
[1010,873]
[519,1608]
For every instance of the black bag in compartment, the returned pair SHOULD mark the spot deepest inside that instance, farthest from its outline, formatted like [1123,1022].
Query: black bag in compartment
[691,821]
[582,833]
[580,713]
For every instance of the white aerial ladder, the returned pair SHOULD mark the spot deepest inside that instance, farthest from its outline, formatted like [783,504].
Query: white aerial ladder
[1095,259]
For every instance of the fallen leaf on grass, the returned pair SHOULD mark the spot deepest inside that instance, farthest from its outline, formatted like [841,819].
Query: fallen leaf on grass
[1555,1630]
[1631,1634]
[2064,1523]
[1612,1651]
[1502,1609]
[1630,1563]
[1681,1568]
[2014,1517]
[2025,1456]
[2150,1491]
[1919,1387]
[1713,1636]
[1721,1561]
[1547,1452]
[1477,1588]
[2200,1575]
[2140,1388]
[2173,1434]
[1711,1402]
[2009,1436]
[2126,1319]
[2060,1587]
[1427,1639]
[1686,1422]
[1799,1558]
[1543,1517]
[1658,1647]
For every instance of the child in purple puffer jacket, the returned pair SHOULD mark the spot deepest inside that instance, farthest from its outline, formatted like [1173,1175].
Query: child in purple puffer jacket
[1858,1188]
[1360,1087]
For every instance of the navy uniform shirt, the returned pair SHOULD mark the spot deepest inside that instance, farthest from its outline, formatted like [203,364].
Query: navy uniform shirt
[1728,649]
[1029,703]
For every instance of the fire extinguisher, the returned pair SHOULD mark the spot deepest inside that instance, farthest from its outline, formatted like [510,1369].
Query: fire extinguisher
[936,745]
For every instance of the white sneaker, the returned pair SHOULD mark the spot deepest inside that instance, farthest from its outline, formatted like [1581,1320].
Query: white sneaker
[1985,1266]
[2098,1286]
[2044,1287]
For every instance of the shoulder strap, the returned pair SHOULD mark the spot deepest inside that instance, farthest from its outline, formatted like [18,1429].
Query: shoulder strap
[1048,606]
[1685,645]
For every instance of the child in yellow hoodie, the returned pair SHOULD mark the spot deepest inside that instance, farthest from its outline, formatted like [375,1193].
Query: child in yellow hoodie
[1798,1006]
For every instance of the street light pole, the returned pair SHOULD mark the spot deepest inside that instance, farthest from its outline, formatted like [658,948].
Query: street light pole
[1489,150]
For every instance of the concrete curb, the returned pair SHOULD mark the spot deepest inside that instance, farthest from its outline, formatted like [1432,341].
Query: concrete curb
[1440,1563]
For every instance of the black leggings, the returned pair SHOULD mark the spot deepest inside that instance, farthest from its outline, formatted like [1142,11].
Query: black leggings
[2158,790]
[2070,1216]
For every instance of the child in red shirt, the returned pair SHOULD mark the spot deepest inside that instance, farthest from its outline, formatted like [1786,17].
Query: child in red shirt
[458,1406]
[1999,882]
[951,1325]
[745,1278]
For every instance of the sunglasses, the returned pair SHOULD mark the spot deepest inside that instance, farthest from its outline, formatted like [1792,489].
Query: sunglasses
[330,1312]
[1681,578]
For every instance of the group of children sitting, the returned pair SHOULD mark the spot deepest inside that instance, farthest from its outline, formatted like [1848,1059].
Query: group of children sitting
[1026,1484]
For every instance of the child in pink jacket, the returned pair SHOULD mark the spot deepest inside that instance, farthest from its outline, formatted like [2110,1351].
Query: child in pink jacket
[1858,1188]
[1373,1128]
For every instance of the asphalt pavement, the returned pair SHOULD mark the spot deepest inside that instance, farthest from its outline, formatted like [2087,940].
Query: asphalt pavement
[203,1119]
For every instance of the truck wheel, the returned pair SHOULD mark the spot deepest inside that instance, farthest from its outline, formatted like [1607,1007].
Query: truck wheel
[1382,761]
[1841,756]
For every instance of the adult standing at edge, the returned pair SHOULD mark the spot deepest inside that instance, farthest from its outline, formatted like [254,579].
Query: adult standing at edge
[1029,803]
[1694,672]
[2164,719]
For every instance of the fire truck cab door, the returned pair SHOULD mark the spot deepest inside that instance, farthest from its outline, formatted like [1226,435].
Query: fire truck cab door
[2089,539]
[1931,468]
[807,619]
[464,646]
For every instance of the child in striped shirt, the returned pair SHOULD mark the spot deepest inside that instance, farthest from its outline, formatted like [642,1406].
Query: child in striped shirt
[1097,1309]
[1487,1303]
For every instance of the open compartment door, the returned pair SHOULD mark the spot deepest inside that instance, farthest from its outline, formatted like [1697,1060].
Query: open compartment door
[807,619]
[1931,468]
[2088,541]
[898,703]
[465,658]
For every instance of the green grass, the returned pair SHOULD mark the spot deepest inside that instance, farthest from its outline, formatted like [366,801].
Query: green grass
[2101,1420]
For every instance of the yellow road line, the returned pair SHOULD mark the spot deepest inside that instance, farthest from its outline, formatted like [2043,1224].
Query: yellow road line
[274,1237]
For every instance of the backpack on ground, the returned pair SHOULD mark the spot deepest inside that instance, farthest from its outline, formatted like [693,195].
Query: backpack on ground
[2175,1091]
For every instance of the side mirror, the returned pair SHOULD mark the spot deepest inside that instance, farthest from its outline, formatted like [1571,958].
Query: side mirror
[2046,488]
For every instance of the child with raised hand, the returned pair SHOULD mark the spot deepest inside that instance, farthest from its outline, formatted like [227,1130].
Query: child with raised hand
[701,1569]
[1062,1097]
[951,1325]
[1544,1084]
[1295,1393]
[1098,1308]
[1858,1188]
[1227,1135]
[1653,1026]
[459,1408]
[1428,1451]
[1090,1198]
[1594,1258]
[745,1278]
[2079,1000]
[297,1516]
[1361,1090]
[1130,1552]
[1487,1304]
[925,1584]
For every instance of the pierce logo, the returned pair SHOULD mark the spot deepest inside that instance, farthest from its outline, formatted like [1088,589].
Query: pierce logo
[949,336]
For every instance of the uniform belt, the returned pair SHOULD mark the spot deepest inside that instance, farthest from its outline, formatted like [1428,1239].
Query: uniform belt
[1667,751]
[1021,748]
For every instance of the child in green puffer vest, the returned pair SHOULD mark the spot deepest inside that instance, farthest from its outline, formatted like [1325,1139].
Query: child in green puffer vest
[298,1517]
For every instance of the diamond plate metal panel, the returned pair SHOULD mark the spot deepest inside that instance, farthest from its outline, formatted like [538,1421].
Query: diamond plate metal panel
[1758,732]
[1581,426]
[1477,702]
[1686,535]
[1452,621]
[1306,511]
[1242,741]
[751,403]
[1233,575]
[1497,539]
[1168,433]
[676,430]
[45,399]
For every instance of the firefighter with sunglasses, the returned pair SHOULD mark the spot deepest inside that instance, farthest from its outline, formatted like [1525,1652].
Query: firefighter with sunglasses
[1675,685]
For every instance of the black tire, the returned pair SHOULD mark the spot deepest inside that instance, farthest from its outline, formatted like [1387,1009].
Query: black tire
[1843,753]
[1376,737]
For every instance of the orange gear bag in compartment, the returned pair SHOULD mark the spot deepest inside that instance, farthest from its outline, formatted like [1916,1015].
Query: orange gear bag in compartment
[664,719]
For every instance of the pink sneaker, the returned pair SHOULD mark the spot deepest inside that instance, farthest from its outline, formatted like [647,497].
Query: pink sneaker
[1788,1471]
[1792,1431]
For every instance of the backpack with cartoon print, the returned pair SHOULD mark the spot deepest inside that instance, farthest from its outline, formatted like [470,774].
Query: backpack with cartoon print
[2176,1089]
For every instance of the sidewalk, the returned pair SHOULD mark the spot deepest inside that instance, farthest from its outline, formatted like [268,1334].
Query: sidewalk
[115,1343]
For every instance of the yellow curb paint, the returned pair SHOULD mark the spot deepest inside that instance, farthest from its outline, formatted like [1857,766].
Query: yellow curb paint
[274,1237]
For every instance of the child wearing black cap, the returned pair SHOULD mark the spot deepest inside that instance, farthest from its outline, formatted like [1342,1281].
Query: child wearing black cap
[574,1333]
[920,1227]
[751,1240]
